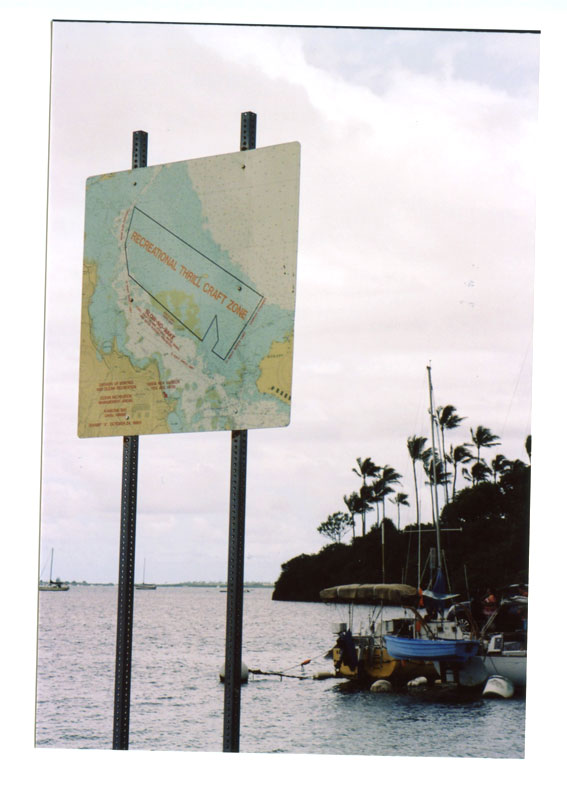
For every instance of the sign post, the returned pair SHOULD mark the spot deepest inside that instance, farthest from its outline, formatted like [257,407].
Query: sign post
[125,615]
[235,576]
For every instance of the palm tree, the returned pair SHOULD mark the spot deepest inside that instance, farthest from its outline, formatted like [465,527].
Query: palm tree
[435,472]
[458,455]
[401,499]
[388,477]
[366,498]
[389,474]
[356,504]
[416,450]
[499,464]
[447,419]
[377,496]
[380,490]
[483,437]
[366,469]
[351,504]
[528,446]
[479,472]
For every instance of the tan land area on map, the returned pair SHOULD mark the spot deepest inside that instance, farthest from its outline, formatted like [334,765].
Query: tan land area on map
[275,377]
[115,398]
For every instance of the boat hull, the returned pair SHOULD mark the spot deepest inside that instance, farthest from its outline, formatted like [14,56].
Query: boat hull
[375,663]
[54,588]
[506,655]
[456,651]
[512,667]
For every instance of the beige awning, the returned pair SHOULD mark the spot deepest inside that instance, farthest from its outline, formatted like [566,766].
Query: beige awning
[390,593]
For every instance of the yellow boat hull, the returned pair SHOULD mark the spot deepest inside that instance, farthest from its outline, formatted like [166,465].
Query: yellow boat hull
[375,663]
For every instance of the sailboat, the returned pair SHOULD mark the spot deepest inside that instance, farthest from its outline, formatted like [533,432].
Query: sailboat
[436,639]
[53,585]
[144,585]
[362,656]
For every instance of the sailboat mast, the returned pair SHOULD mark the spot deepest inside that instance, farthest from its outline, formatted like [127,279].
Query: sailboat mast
[51,567]
[435,498]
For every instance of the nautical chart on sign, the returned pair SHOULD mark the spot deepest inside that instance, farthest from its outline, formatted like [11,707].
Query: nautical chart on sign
[189,295]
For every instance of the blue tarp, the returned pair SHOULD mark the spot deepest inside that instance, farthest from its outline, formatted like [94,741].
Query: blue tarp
[435,599]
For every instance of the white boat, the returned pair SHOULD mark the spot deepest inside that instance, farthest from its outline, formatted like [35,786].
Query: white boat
[507,655]
[144,585]
[53,585]
[504,650]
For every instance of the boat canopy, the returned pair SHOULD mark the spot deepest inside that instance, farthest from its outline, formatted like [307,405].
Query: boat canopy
[391,593]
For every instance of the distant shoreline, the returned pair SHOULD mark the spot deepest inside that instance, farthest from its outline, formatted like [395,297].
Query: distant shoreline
[191,584]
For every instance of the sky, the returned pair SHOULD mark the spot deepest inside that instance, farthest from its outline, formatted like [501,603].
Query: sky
[416,247]
[412,151]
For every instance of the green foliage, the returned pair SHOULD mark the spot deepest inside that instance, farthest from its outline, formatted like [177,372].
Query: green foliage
[490,546]
[303,577]
[483,437]
[335,526]
[493,545]
[448,418]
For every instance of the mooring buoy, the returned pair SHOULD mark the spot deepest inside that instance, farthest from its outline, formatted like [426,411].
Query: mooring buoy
[381,686]
[243,673]
[420,681]
[322,676]
[497,686]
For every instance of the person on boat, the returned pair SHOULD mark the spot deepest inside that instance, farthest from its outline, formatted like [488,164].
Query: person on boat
[349,656]
[489,604]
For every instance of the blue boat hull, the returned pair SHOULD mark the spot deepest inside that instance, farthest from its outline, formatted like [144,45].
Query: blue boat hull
[455,651]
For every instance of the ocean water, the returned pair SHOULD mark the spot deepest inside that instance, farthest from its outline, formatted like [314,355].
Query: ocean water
[177,698]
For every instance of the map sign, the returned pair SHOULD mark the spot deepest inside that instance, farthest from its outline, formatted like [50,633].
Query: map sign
[189,295]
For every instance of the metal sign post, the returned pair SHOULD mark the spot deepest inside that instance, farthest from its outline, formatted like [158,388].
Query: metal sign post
[125,616]
[235,577]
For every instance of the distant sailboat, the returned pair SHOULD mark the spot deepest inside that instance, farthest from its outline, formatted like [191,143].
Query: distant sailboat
[53,585]
[145,585]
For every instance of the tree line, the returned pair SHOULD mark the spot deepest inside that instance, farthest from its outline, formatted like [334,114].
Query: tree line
[484,520]
[441,468]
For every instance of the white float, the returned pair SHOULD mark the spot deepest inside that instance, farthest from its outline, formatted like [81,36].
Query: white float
[243,673]
[381,686]
[497,686]
[421,681]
